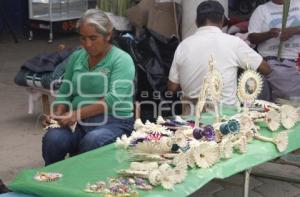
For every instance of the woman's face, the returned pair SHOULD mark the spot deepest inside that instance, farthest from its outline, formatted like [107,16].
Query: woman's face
[93,42]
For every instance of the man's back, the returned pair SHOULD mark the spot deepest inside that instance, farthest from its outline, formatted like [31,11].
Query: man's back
[191,61]
[192,55]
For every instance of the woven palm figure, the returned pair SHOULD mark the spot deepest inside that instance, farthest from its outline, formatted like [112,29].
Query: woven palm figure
[211,89]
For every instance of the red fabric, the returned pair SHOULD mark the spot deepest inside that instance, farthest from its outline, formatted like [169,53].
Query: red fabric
[243,26]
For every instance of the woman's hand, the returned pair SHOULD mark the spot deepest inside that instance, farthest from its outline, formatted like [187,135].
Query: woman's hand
[67,119]
[46,120]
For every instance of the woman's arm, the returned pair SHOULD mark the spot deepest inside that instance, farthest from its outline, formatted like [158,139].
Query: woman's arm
[63,98]
[70,118]
[60,109]
[91,110]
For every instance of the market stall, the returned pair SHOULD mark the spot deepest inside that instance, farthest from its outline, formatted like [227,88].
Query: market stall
[105,162]
[177,156]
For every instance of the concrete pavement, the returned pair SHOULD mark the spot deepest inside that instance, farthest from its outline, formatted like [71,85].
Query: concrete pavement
[259,187]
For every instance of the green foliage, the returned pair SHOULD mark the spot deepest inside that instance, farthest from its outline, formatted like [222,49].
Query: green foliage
[118,7]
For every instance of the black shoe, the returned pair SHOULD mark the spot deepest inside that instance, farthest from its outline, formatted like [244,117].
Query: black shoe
[3,188]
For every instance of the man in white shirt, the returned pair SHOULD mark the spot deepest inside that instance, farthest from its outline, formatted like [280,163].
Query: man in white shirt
[265,31]
[190,62]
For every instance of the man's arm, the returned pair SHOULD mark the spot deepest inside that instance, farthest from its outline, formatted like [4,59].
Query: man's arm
[173,87]
[289,32]
[264,68]
[257,38]
[257,30]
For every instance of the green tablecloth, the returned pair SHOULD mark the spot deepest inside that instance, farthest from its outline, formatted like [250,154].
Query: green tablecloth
[106,161]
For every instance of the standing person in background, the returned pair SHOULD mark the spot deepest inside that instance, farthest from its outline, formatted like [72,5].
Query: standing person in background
[97,93]
[265,31]
[190,63]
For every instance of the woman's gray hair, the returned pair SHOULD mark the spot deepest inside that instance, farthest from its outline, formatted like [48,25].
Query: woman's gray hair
[98,19]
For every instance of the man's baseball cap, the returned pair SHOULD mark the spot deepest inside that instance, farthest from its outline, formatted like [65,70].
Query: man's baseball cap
[211,6]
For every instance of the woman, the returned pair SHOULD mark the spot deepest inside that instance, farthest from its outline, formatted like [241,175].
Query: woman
[96,93]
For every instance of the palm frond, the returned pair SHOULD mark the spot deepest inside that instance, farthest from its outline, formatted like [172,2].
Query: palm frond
[285,15]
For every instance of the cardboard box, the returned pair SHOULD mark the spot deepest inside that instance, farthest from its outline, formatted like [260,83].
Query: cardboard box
[138,15]
[163,19]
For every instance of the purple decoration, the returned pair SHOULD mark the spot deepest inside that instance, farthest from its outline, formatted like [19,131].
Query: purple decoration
[139,181]
[169,123]
[124,181]
[113,189]
[190,121]
[197,133]
[209,133]
[136,141]
[177,123]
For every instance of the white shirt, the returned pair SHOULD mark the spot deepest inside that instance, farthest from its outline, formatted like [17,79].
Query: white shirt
[269,15]
[190,62]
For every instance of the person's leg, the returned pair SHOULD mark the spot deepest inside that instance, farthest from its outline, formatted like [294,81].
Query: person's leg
[57,142]
[3,188]
[266,93]
[106,134]
[78,134]
[284,79]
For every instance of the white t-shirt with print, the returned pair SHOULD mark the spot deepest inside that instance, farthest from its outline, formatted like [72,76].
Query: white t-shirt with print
[269,15]
[190,63]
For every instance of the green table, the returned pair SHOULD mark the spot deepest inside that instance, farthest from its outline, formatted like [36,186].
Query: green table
[106,161]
